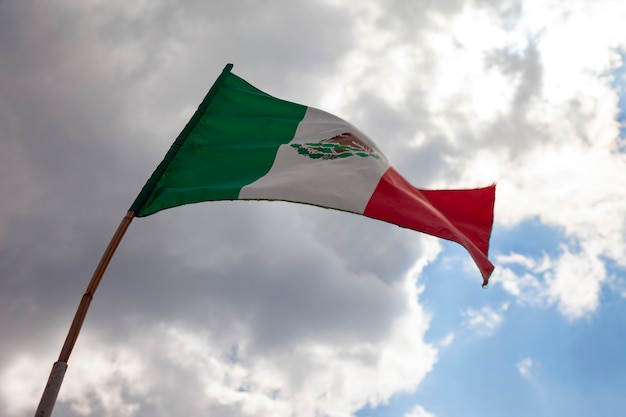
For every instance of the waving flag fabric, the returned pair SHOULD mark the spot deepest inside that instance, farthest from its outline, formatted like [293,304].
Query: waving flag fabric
[243,144]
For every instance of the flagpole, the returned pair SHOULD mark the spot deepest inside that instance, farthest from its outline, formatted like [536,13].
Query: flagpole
[51,391]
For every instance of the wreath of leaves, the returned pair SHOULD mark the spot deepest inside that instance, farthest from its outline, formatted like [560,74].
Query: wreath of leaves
[330,151]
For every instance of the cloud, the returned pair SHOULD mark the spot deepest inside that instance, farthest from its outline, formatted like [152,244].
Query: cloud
[571,281]
[576,283]
[223,308]
[419,411]
[147,373]
[552,143]
[527,287]
[486,320]
[511,103]
[447,340]
[18,383]
[526,367]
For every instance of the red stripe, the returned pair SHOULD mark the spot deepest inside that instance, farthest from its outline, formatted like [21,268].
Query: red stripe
[463,216]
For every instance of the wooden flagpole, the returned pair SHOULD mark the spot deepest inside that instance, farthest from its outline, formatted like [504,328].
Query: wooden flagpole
[51,391]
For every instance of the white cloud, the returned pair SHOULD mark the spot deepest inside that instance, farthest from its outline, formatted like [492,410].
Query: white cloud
[106,381]
[171,367]
[486,320]
[536,114]
[524,260]
[527,288]
[571,281]
[419,411]
[576,283]
[102,380]
[526,367]
[21,385]
[551,145]
[447,340]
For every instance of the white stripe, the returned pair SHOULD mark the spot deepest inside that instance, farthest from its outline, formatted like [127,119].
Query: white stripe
[343,183]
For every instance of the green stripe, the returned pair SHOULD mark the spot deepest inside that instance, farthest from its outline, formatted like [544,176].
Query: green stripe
[148,188]
[233,143]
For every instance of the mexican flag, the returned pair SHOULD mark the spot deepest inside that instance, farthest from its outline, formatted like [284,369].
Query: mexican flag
[243,144]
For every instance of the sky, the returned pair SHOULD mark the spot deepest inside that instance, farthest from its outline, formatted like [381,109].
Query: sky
[270,308]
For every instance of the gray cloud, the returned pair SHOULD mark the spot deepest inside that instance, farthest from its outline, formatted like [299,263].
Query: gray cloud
[91,97]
